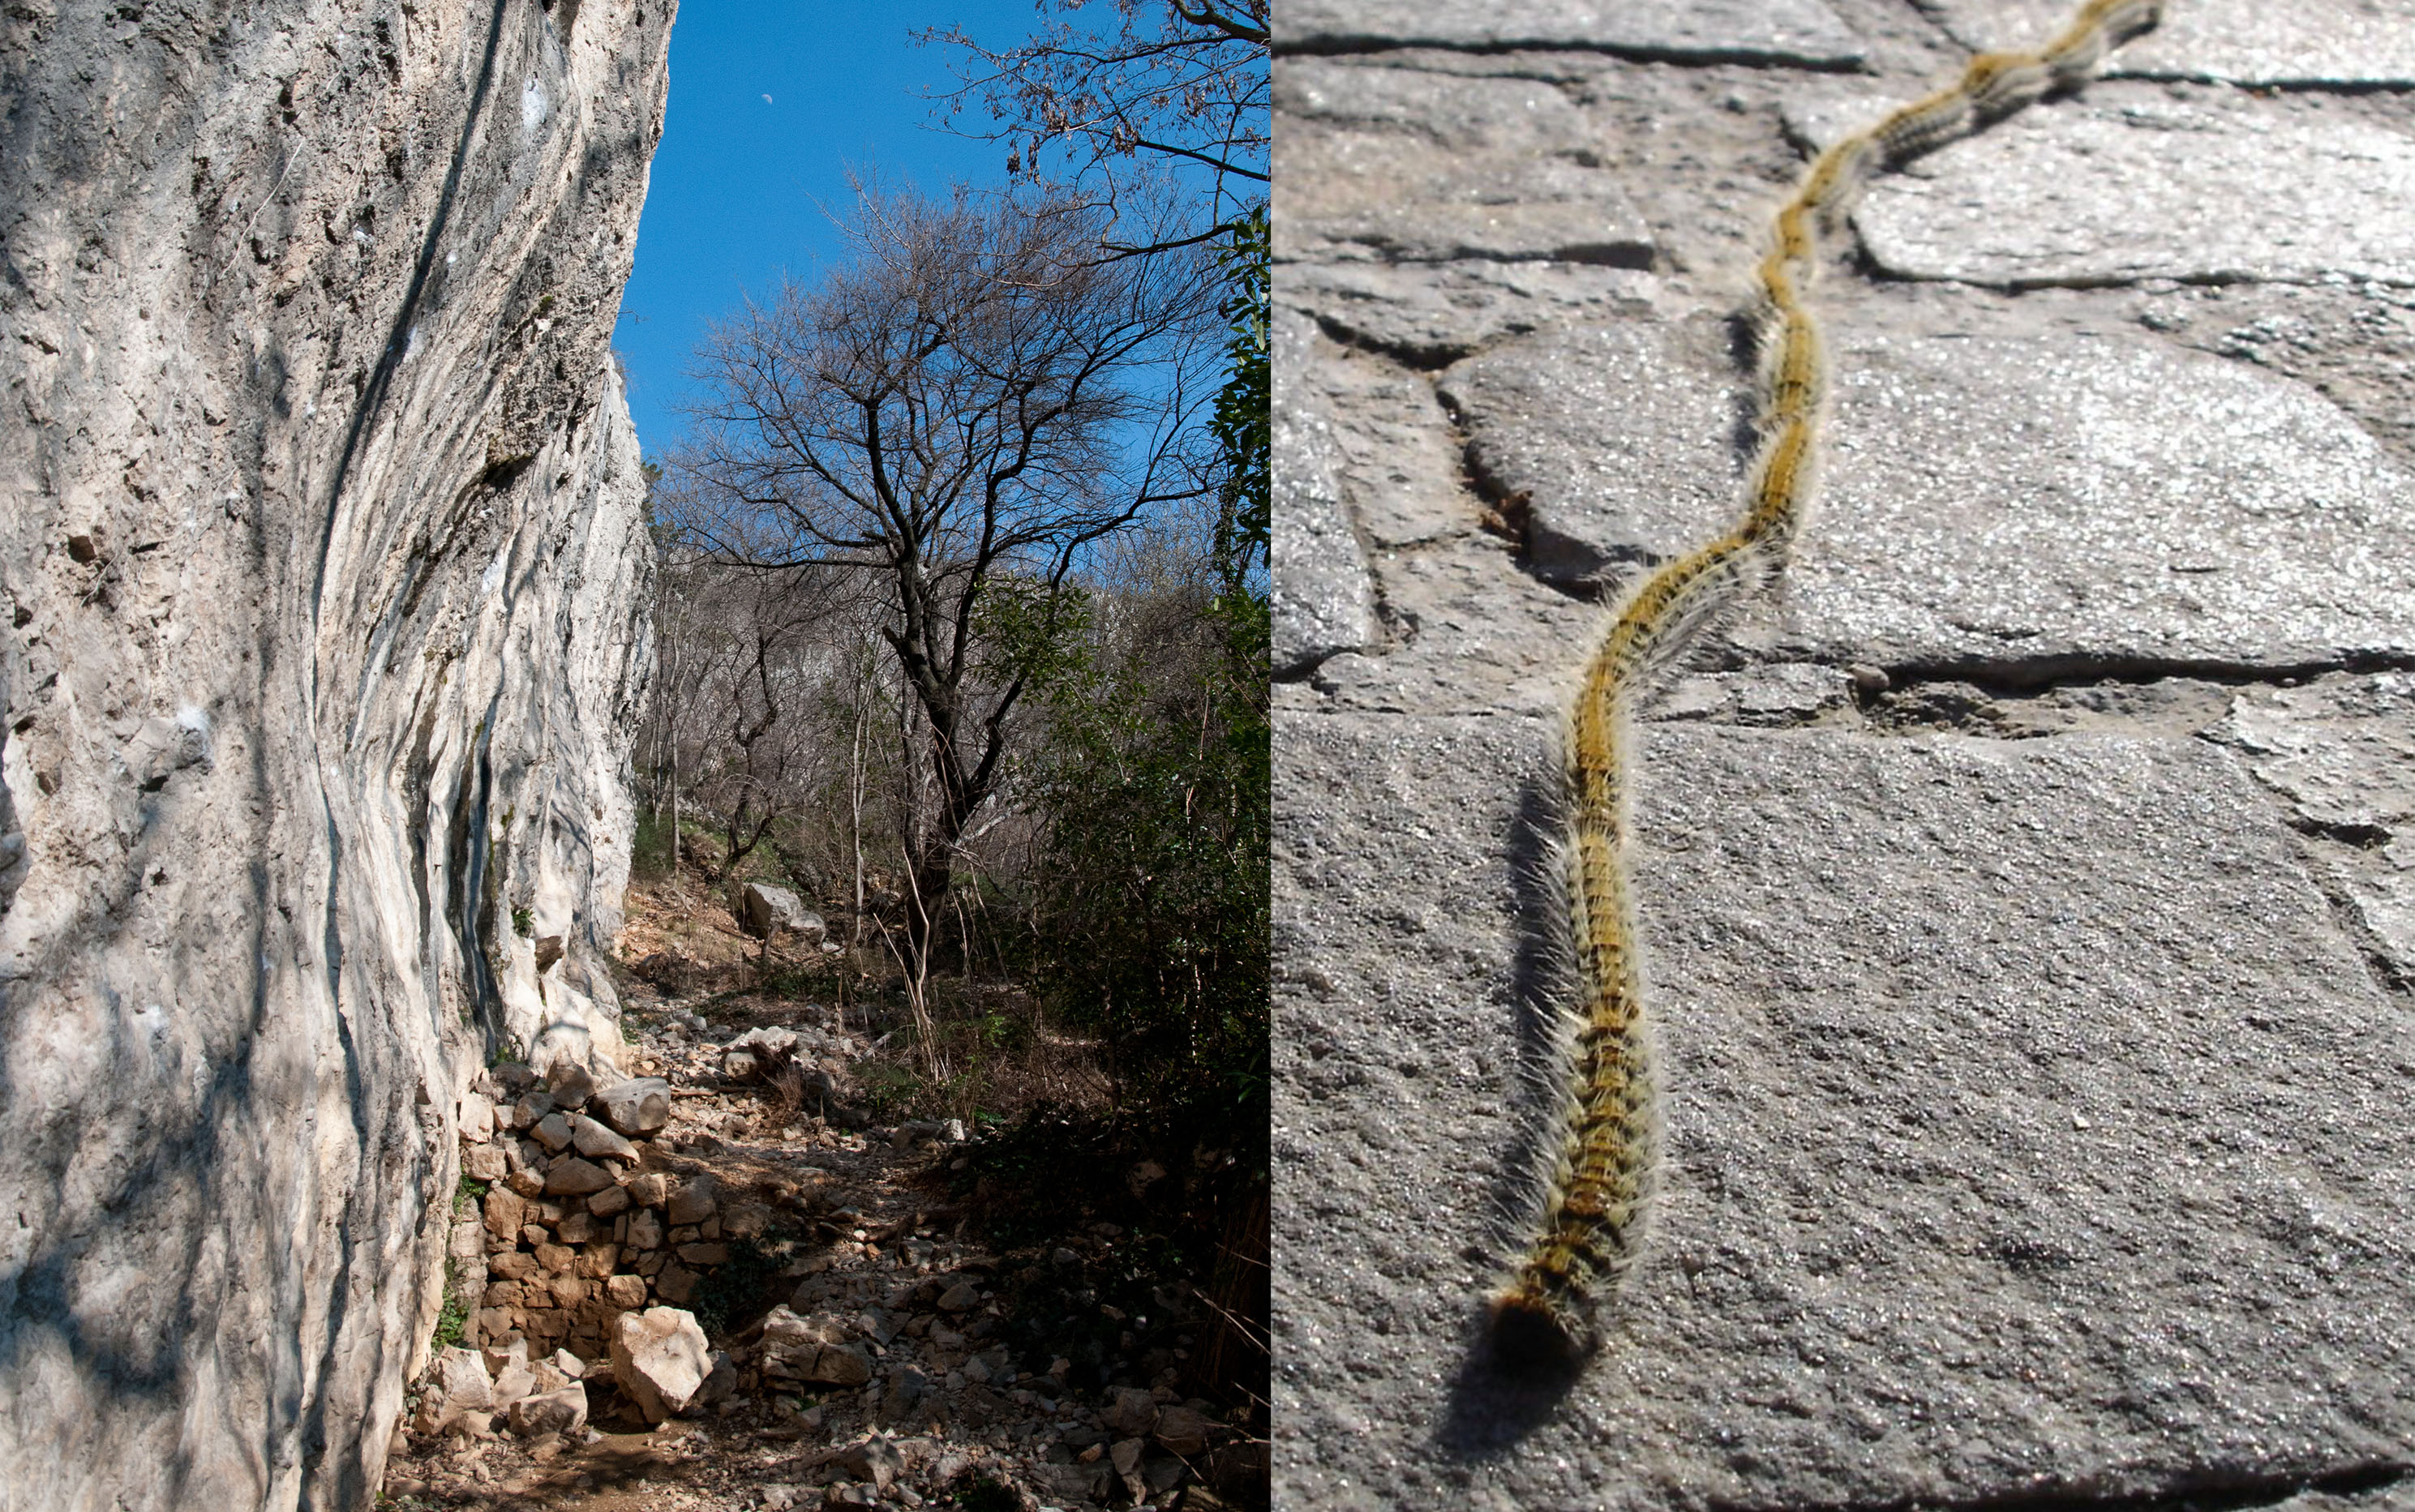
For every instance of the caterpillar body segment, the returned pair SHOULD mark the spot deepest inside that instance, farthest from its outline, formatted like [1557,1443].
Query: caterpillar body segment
[1794,371]
[1999,84]
[2101,26]
[1925,125]
[1601,1166]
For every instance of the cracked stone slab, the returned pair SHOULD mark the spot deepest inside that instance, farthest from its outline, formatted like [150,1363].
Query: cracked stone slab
[1792,33]
[1476,638]
[1324,602]
[1411,166]
[1439,313]
[2340,752]
[2127,183]
[1395,455]
[2307,43]
[2049,503]
[1996,1170]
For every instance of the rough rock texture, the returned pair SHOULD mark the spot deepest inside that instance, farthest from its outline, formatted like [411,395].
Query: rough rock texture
[658,1356]
[764,908]
[2016,1171]
[2104,191]
[324,574]
[1792,31]
[2025,885]
[2193,509]
[2353,42]
[1320,581]
[639,1105]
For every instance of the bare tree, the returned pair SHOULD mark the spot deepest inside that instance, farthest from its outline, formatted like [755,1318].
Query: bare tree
[971,400]
[1106,110]
[743,657]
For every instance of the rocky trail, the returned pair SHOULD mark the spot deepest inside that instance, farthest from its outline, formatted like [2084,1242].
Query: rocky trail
[726,1282]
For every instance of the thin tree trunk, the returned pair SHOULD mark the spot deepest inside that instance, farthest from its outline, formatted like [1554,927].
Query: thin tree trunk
[964,933]
[862,717]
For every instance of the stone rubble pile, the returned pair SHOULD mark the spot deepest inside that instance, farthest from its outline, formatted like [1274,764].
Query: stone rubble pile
[573,1233]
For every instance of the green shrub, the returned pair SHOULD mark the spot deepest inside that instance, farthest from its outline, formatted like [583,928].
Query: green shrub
[650,850]
[453,1315]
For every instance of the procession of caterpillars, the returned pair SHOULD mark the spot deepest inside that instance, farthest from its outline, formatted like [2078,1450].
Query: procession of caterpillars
[1602,1162]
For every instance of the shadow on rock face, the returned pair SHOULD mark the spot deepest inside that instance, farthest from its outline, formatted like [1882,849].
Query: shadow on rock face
[1507,1385]
[1502,1393]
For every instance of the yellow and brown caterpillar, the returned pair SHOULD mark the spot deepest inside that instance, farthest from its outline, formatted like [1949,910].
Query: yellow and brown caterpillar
[1602,1168]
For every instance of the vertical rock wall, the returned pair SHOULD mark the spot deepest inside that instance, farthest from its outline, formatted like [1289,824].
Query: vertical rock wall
[322,569]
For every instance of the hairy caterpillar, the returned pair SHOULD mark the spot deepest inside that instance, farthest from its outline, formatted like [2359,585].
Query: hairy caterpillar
[1600,1173]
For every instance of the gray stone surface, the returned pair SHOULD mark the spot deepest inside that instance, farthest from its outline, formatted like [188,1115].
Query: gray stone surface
[1476,638]
[2030,1128]
[1323,601]
[325,569]
[660,1360]
[763,908]
[1430,313]
[1804,31]
[2309,43]
[2179,509]
[2037,1040]
[1425,167]
[1394,452]
[2132,182]
[2340,752]
[638,1105]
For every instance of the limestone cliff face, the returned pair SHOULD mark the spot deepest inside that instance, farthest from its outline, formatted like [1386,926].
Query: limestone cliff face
[323,576]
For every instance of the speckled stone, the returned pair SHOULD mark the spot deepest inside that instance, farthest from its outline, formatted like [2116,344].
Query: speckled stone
[2127,183]
[1803,33]
[1407,165]
[2340,752]
[2042,504]
[1436,313]
[1323,601]
[2307,42]
[1395,454]
[1473,638]
[2033,1131]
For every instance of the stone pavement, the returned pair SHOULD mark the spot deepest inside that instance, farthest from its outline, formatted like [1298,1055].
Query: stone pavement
[2030,885]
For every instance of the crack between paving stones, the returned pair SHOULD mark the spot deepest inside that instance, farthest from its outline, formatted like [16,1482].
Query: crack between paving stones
[1426,361]
[2216,278]
[2217,1493]
[2019,677]
[2343,87]
[1699,57]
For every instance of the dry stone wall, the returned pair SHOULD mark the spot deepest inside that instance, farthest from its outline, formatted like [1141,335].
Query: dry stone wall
[322,571]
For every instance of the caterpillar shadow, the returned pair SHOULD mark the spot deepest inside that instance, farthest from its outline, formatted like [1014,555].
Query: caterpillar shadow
[1496,1401]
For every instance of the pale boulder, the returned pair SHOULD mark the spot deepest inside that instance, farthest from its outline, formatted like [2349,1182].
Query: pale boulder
[636,1107]
[660,1360]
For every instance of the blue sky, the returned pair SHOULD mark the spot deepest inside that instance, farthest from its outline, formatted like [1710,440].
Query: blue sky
[733,203]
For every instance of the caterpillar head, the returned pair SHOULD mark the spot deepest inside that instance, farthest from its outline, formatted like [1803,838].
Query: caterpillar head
[1534,1331]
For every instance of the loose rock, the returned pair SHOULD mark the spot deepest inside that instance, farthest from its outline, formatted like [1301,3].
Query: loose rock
[562,1410]
[576,1179]
[660,1360]
[636,1107]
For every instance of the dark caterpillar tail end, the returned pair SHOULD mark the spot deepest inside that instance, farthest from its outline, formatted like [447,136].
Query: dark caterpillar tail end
[1533,1333]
